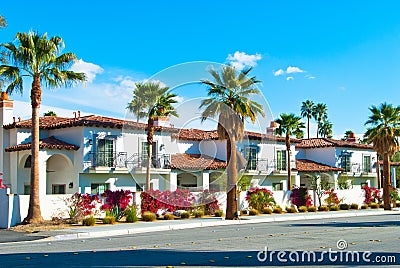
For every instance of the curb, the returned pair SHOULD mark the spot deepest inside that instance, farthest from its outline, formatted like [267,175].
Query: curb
[244,220]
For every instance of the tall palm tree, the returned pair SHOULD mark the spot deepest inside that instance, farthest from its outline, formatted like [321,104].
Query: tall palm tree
[325,129]
[307,110]
[320,113]
[383,133]
[39,58]
[289,124]
[230,99]
[156,101]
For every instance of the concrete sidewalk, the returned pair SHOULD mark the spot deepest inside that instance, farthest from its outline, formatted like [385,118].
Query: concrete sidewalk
[161,225]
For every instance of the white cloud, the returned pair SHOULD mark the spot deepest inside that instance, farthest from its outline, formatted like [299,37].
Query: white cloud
[240,59]
[289,78]
[279,72]
[309,76]
[292,69]
[90,69]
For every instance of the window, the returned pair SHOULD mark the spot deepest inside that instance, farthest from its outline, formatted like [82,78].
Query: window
[367,163]
[58,189]
[346,164]
[28,162]
[281,160]
[99,188]
[27,189]
[251,157]
[145,149]
[105,152]
[277,186]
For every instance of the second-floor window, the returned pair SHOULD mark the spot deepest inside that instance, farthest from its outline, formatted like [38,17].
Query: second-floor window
[145,149]
[281,160]
[105,152]
[346,164]
[251,157]
[367,163]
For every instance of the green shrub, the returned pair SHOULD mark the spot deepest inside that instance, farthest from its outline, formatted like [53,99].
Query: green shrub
[253,212]
[364,206]
[148,216]
[244,212]
[302,209]
[169,217]
[258,198]
[381,206]
[374,205]
[277,210]
[334,208]
[344,206]
[185,215]
[267,211]
[109,220]
[291,210]
[198,214]
[354,206]
[219,213]
[323,208]
[312,209]
[90,221]
[131,214]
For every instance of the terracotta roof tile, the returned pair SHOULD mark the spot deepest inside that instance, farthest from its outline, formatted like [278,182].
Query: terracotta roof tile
[325,142]
[196,161]
[305,165]
[46,143]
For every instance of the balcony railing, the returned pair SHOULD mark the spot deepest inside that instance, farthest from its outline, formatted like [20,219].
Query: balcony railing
[161,161]
[107,159]
[358,168]
[265,165]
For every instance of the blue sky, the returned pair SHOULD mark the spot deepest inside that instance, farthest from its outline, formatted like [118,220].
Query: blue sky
[343,53]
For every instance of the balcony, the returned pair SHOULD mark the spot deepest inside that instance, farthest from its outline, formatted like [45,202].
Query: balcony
[260,165]
[359,169]
[158,161]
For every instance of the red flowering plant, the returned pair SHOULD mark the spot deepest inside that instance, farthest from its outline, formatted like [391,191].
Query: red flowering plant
[260,198]
[116,202]
[208,202]
[81,206]
[300,197]
[332,198]
[2,186]
[372,195]
[153,200]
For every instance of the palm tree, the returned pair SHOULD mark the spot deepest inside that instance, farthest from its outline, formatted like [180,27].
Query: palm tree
[347,134]
[320,113]
[3,22]
[50,113]
[383,133]
[35,56]
[325,129]
[230,98]
[289,124]
[307,110]
[156,101]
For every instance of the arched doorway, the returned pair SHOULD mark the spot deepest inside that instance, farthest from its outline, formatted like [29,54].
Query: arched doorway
[59,175]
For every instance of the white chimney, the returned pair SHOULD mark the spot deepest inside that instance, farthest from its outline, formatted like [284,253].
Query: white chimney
[272,128]
[162,121]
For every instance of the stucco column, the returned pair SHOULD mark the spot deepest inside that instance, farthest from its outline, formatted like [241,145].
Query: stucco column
[296,180]
[43,175]
[13,167]
[206,180]
[173,181]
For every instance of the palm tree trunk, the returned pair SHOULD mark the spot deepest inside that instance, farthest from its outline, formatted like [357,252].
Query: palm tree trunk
[34,212]
[386,182]
[308,127]
[231,202]
[288,161]
[317,128]
[150,136]
[378,171]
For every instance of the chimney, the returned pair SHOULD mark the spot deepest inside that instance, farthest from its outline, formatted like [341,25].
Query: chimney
[6,108]
[162,121]
[352,137]
[272,128]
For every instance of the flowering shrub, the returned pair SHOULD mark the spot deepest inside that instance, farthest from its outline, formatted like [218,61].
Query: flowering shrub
[208,202]
[116,202]
[153,200]
[332,198]
[372,195]
[2,186]
[259,198]
[300,197]
[81,205]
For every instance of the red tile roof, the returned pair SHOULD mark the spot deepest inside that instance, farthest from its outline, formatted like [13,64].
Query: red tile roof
[325,142]
[305,165]
[196,161]
[46,143]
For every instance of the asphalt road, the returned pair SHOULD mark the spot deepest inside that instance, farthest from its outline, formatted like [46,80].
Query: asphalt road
[224,246]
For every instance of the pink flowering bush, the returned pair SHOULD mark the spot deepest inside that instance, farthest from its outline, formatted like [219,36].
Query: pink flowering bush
[116,202]
[260,198]
[153,200]
[2,186]
[372,195]
[208,202]
[300,197]
[332,198]
[81,206]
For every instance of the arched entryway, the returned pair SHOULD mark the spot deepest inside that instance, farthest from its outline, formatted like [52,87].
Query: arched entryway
[59,175]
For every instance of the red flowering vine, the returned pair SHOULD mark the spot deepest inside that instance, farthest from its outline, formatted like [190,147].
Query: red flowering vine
[372,195]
